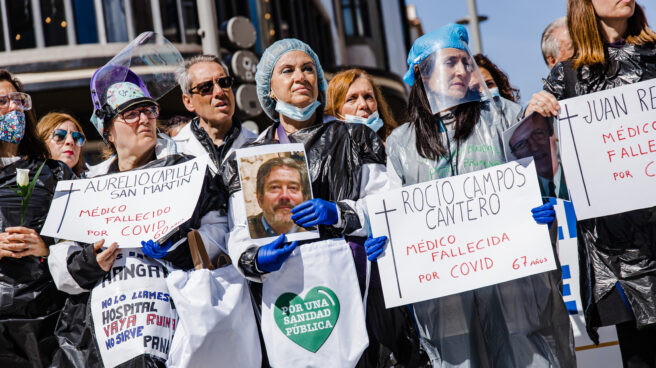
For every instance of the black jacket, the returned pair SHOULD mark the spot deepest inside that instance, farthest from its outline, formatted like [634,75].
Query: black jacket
[622,247]
[336,152]
[29,301]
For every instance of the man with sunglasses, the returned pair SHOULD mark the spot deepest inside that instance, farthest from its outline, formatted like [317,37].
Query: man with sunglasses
[207,91]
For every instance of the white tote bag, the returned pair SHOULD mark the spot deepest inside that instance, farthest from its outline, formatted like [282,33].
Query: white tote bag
[312,312]
[217,326]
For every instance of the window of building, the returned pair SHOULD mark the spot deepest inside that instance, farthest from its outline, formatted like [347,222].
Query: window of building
[227,9]
[85,22]
[115,20]
[170,20]
[356,18]
[53,21]
[190,19]
[142,16]
[303,20]
[21,28]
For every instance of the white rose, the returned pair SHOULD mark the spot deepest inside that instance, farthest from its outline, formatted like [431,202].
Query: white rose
[22,177]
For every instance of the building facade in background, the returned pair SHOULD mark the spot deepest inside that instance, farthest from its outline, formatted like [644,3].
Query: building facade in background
[55,45]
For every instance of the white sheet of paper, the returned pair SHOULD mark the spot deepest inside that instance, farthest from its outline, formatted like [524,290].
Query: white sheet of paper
[126,207]
[608,149]
[460,233]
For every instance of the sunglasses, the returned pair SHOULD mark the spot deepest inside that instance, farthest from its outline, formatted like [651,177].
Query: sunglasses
[132,116]
[59,135]
[22,100]
[206,88]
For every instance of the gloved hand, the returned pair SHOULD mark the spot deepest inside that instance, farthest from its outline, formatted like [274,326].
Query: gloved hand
[544,214]
[153,250]
[270,257]
[315,212]
[374,247]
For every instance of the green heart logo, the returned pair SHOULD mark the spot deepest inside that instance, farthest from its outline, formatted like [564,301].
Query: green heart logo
[307,322]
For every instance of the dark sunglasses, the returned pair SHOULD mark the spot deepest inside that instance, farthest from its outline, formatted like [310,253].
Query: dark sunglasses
[207,87]
[59,135]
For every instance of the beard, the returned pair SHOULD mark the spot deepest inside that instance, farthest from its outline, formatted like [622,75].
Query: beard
[280,216]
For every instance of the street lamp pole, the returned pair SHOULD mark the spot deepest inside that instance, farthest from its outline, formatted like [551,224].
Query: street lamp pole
[475,30]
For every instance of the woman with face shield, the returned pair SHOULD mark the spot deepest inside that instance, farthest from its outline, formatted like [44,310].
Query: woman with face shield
[452,130]
[29,301]
[613,46]
[125,116]
[346,161]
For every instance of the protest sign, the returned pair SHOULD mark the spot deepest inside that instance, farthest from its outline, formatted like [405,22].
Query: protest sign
[460,233]
[608,149]
[274,179]
[132,310]
[127,207]
[588,354]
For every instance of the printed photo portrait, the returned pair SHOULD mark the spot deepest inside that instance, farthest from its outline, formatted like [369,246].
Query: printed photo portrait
[535,137]
[274,179]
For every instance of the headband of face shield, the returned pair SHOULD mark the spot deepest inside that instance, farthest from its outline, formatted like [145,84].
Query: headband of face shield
[148,62]
[447,75]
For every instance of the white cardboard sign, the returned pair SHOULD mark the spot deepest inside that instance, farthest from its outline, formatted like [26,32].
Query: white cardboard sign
[608,149]
[132,310]
[460,233]
[126,207]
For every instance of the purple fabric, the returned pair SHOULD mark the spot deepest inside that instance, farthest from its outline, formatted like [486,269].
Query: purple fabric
[282,135]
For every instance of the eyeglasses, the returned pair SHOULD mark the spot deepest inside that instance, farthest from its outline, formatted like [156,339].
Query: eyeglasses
[59,135]
[537,136]
[206,88]
[132,116]
[22,100]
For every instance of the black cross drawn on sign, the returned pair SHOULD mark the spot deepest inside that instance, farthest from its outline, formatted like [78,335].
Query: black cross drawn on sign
[385,211]
[68,198]
[569,117]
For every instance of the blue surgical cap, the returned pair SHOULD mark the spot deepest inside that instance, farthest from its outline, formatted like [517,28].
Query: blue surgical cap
[268,62]
[451,36]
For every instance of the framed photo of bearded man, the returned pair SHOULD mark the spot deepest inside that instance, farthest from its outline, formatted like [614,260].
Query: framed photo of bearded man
[274,179]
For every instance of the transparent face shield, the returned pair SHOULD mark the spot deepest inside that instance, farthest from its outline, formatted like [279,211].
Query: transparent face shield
[451,78]
[149,61]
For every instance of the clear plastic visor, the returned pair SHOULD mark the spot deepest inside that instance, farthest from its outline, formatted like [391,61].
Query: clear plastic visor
[451,78]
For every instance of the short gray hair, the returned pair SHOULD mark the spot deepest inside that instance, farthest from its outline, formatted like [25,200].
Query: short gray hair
[182,72]
[550,45]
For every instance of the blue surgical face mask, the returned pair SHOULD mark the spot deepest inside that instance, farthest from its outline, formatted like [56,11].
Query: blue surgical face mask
[373,121]
[494,92]
[296,113]
[12,126]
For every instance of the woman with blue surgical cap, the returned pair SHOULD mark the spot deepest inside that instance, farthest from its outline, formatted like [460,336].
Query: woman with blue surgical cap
[455,130]
[346,161]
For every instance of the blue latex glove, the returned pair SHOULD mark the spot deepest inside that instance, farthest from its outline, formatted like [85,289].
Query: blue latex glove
[544,214]
[374,247]
[315,212]
[270,257]
[153,250]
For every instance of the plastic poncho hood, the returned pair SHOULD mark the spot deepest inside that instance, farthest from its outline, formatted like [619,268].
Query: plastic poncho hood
[267,64]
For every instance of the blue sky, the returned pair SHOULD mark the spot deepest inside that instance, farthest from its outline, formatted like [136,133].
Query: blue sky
[511,35]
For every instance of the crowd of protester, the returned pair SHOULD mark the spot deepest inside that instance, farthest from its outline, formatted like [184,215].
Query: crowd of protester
[354,148]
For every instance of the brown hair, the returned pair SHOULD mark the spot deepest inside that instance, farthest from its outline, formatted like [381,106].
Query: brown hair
[500,78]
[339,86]
[587,34]
[49,122]
[30,146]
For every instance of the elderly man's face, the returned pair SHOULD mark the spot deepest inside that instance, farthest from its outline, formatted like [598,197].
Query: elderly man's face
[283,190]
[532,139]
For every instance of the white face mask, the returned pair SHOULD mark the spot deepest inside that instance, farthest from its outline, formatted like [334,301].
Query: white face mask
[296,113]
[373,121]
[495,92]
